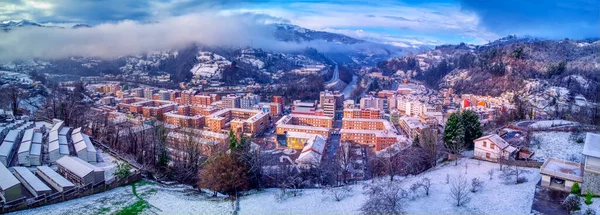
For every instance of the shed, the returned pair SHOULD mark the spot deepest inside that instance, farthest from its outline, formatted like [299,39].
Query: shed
[33,184]
[10,187]
[84,147]
[79,171]
[35,154]
[54,179]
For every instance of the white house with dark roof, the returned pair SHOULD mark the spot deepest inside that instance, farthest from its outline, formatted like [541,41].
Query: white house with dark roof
[591,169]
[492,147]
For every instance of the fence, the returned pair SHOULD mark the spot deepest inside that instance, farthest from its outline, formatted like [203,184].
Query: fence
[89,189]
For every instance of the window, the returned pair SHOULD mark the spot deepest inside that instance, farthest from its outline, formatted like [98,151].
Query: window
[492,146]
[484,144]
[487,155]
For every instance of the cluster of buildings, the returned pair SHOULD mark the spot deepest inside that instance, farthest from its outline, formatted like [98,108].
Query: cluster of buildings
[40,158]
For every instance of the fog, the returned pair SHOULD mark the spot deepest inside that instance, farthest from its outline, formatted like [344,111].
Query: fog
[112,40]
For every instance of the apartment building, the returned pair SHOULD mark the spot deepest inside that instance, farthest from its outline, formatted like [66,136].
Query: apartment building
[372,102]
[250,122]
[304,123]
[179,120]
[331,102]
[249,100]
[368,113]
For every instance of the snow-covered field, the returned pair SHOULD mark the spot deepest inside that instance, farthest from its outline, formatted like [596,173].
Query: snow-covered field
[24,78]
[496,197]
[552,123]
[557,145]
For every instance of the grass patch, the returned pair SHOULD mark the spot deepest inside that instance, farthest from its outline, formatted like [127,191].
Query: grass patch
[143,183]
[135,208]
[103,211]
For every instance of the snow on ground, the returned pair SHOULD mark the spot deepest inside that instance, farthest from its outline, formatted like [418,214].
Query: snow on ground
[556,144]
[106,162]
[552,123]
[24,78]
[110,201]
[496,197]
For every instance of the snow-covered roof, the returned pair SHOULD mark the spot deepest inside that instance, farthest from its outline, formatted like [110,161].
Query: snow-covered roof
[36,149]
[77,138]
[53,146]
[563,169]
[37,138]
[53,136]
[312,151]
[31,179]
[57,126]
[7,179]
[64,131]
[76,130]
[24,147]
[11,136]
[58,179]
[6,148]
[63,149]
[592,145]
[28,135]
[88,142]
[76,165]
[62,140]
[498,141]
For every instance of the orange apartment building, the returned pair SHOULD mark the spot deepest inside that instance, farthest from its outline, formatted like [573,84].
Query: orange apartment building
[367,113]
[249,122]
[304,123]
[184,121]
[373,132]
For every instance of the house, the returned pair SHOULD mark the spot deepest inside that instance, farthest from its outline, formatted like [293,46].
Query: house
[312,152]
[591,170]
[561,174]
[53,179]
[10,187]
[492,147]
[79,171]
[33,184]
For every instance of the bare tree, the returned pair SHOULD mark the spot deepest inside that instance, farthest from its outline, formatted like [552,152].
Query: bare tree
[429,142]
[426,184]
[476,185]
[344,160]
[384,198]
[514,172]
[337,193]
[491,173]
[459,190]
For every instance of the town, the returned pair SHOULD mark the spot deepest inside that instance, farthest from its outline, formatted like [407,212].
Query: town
[299,107]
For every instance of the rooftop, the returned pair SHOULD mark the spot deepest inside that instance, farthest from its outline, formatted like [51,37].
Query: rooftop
[563,169]
[61,181]
[31,179]
[592,145]
[7,179]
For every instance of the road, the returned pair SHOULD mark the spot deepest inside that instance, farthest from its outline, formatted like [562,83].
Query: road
[336,75]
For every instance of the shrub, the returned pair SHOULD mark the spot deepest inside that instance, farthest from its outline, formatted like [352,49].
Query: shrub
[476,185]
[589,211]
[588,197]
[571,203]
[575,189]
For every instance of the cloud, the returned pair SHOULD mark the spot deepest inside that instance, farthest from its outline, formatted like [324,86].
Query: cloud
[128,37]
[550,19]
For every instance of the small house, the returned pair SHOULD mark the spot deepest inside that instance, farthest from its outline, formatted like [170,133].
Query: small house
[493,148]
[561,174]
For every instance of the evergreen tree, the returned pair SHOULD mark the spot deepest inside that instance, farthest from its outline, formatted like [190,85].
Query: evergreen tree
[232,140]
[454,132]
[472,128]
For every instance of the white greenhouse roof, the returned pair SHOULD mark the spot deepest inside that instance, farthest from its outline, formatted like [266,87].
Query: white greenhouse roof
[31,179]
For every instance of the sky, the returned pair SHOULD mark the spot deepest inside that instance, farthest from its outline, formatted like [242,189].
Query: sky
[399,23]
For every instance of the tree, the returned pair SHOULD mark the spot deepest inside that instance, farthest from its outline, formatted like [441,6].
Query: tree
[338,193]
[575,189]
[123,169]
[508,173]
[224,174]
[454,136]
[232,140]
[429,143]
[476,185]
[384,198]
[471,127]
[12,95]
[426,184]
[344,161]
[588,197]
[459,190]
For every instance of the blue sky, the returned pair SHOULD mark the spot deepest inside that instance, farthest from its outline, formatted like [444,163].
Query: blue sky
[400,23]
